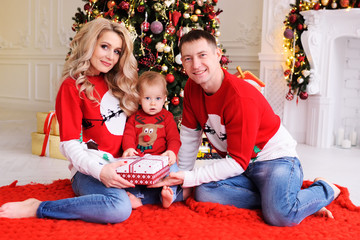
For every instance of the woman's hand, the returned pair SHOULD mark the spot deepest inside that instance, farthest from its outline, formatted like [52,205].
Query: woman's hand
[110,178]
[171,155]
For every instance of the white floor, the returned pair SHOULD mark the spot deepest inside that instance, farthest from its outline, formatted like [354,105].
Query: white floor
[341,166]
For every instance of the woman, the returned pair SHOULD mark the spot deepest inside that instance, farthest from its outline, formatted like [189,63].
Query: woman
[97,93]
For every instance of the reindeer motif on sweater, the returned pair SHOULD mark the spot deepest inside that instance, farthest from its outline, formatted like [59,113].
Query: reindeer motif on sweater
[152,134]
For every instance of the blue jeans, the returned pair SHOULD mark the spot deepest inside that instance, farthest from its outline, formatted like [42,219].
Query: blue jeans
[275,187]
[153,195]
[96,203]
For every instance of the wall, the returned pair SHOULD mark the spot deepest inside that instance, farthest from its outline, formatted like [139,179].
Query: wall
[34,38]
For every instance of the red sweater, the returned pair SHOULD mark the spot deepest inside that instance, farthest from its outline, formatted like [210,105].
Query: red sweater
[152,134]
[237,119]
[103,123]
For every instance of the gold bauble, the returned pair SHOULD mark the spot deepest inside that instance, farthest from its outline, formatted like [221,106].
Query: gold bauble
[194,18]
[197,11]
[325,2]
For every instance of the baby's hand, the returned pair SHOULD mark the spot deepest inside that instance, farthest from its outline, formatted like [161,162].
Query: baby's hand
[171,155]
[130,152]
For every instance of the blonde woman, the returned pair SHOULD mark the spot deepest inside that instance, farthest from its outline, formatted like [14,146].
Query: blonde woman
[97,93]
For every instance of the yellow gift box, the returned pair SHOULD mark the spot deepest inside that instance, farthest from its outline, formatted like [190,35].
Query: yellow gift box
[37,145]
[42,119]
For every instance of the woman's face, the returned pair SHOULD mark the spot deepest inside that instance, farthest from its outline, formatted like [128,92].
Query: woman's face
[106,53]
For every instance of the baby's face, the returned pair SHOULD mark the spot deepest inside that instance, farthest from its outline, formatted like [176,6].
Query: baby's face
[152,99]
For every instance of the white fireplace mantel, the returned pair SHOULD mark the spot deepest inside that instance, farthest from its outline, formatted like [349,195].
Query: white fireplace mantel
[322,47]
[325,26]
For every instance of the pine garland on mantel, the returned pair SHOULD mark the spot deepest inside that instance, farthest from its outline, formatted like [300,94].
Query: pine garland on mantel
[297,72]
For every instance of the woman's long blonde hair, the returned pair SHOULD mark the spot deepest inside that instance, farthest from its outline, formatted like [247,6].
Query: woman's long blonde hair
[121,79]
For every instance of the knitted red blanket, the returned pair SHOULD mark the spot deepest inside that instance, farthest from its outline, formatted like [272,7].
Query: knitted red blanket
[188,220]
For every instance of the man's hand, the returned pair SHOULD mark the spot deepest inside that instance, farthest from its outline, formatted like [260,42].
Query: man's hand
[110,178]
[175,178]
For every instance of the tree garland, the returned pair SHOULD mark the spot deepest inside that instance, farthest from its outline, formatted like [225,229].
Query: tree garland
[297,72]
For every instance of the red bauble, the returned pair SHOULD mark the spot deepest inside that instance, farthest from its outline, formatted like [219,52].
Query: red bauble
[289,96]
[111,4]
[87,7]
[292,18]
[175,101]
[317,6]
[141,8]
[170,78]
[300,27]
[303,95]
[147,40]
[287,72]
[344,3]
[124,5]
[170,29]
[297,64]
[145,26]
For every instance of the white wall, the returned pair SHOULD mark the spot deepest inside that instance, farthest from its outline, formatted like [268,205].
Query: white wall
[34,37]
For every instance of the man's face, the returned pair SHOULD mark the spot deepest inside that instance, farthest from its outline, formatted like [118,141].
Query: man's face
[201,62]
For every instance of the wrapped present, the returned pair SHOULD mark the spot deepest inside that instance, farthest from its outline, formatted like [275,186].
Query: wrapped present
[47,120]
[145,170]
[46,145]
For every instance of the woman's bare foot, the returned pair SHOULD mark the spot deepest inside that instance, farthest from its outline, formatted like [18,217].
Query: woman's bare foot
[336,189]
[167,196]
[324,212]
[135,202]
[24,209]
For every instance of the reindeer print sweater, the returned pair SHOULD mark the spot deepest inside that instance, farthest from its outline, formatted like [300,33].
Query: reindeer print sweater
[153,134]
[240,125]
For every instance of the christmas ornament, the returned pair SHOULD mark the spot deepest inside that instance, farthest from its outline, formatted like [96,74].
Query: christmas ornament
[292,18]
[300,27]
[156,27]
[124,5]
[197,11]
[111,4]
[182,93]
[141,8]
[194,18]
[297,64]
[303,95]
[344,3]
[324,2]
[164,68]
[316,6]
[145,26]
[175,101]
[160,47]
[178,59]
[186,15]
[300,80]
[289,96]
[168,3]
[305,73]
[170,78]
[289,33]
[334,4]
[287,72]
[147,40]
[175,17]
[167,49]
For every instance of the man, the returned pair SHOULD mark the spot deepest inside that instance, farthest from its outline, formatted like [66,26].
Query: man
[259,167]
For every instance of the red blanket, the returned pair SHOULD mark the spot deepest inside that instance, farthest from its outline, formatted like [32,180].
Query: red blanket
[183,220]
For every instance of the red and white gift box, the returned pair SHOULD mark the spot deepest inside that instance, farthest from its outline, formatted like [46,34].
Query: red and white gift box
[145,170]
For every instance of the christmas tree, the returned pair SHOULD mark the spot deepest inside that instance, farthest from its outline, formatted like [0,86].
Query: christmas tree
[156,27]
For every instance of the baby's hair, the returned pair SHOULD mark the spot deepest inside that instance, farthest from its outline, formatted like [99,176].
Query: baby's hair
[151,78]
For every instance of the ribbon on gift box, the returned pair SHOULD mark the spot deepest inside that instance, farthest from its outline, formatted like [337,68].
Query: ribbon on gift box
[132,165]
[47,126]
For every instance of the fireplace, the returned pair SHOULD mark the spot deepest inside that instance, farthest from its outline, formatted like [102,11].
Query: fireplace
[332,46]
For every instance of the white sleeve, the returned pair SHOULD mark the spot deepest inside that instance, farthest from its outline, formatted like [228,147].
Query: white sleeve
[81,159]
[216,171]
[190,143]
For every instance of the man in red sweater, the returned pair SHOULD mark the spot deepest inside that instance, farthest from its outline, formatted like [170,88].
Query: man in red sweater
[259,166]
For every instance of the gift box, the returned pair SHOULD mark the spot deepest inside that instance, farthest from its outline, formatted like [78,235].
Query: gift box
[146,170]
[46,145]
[45,120]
